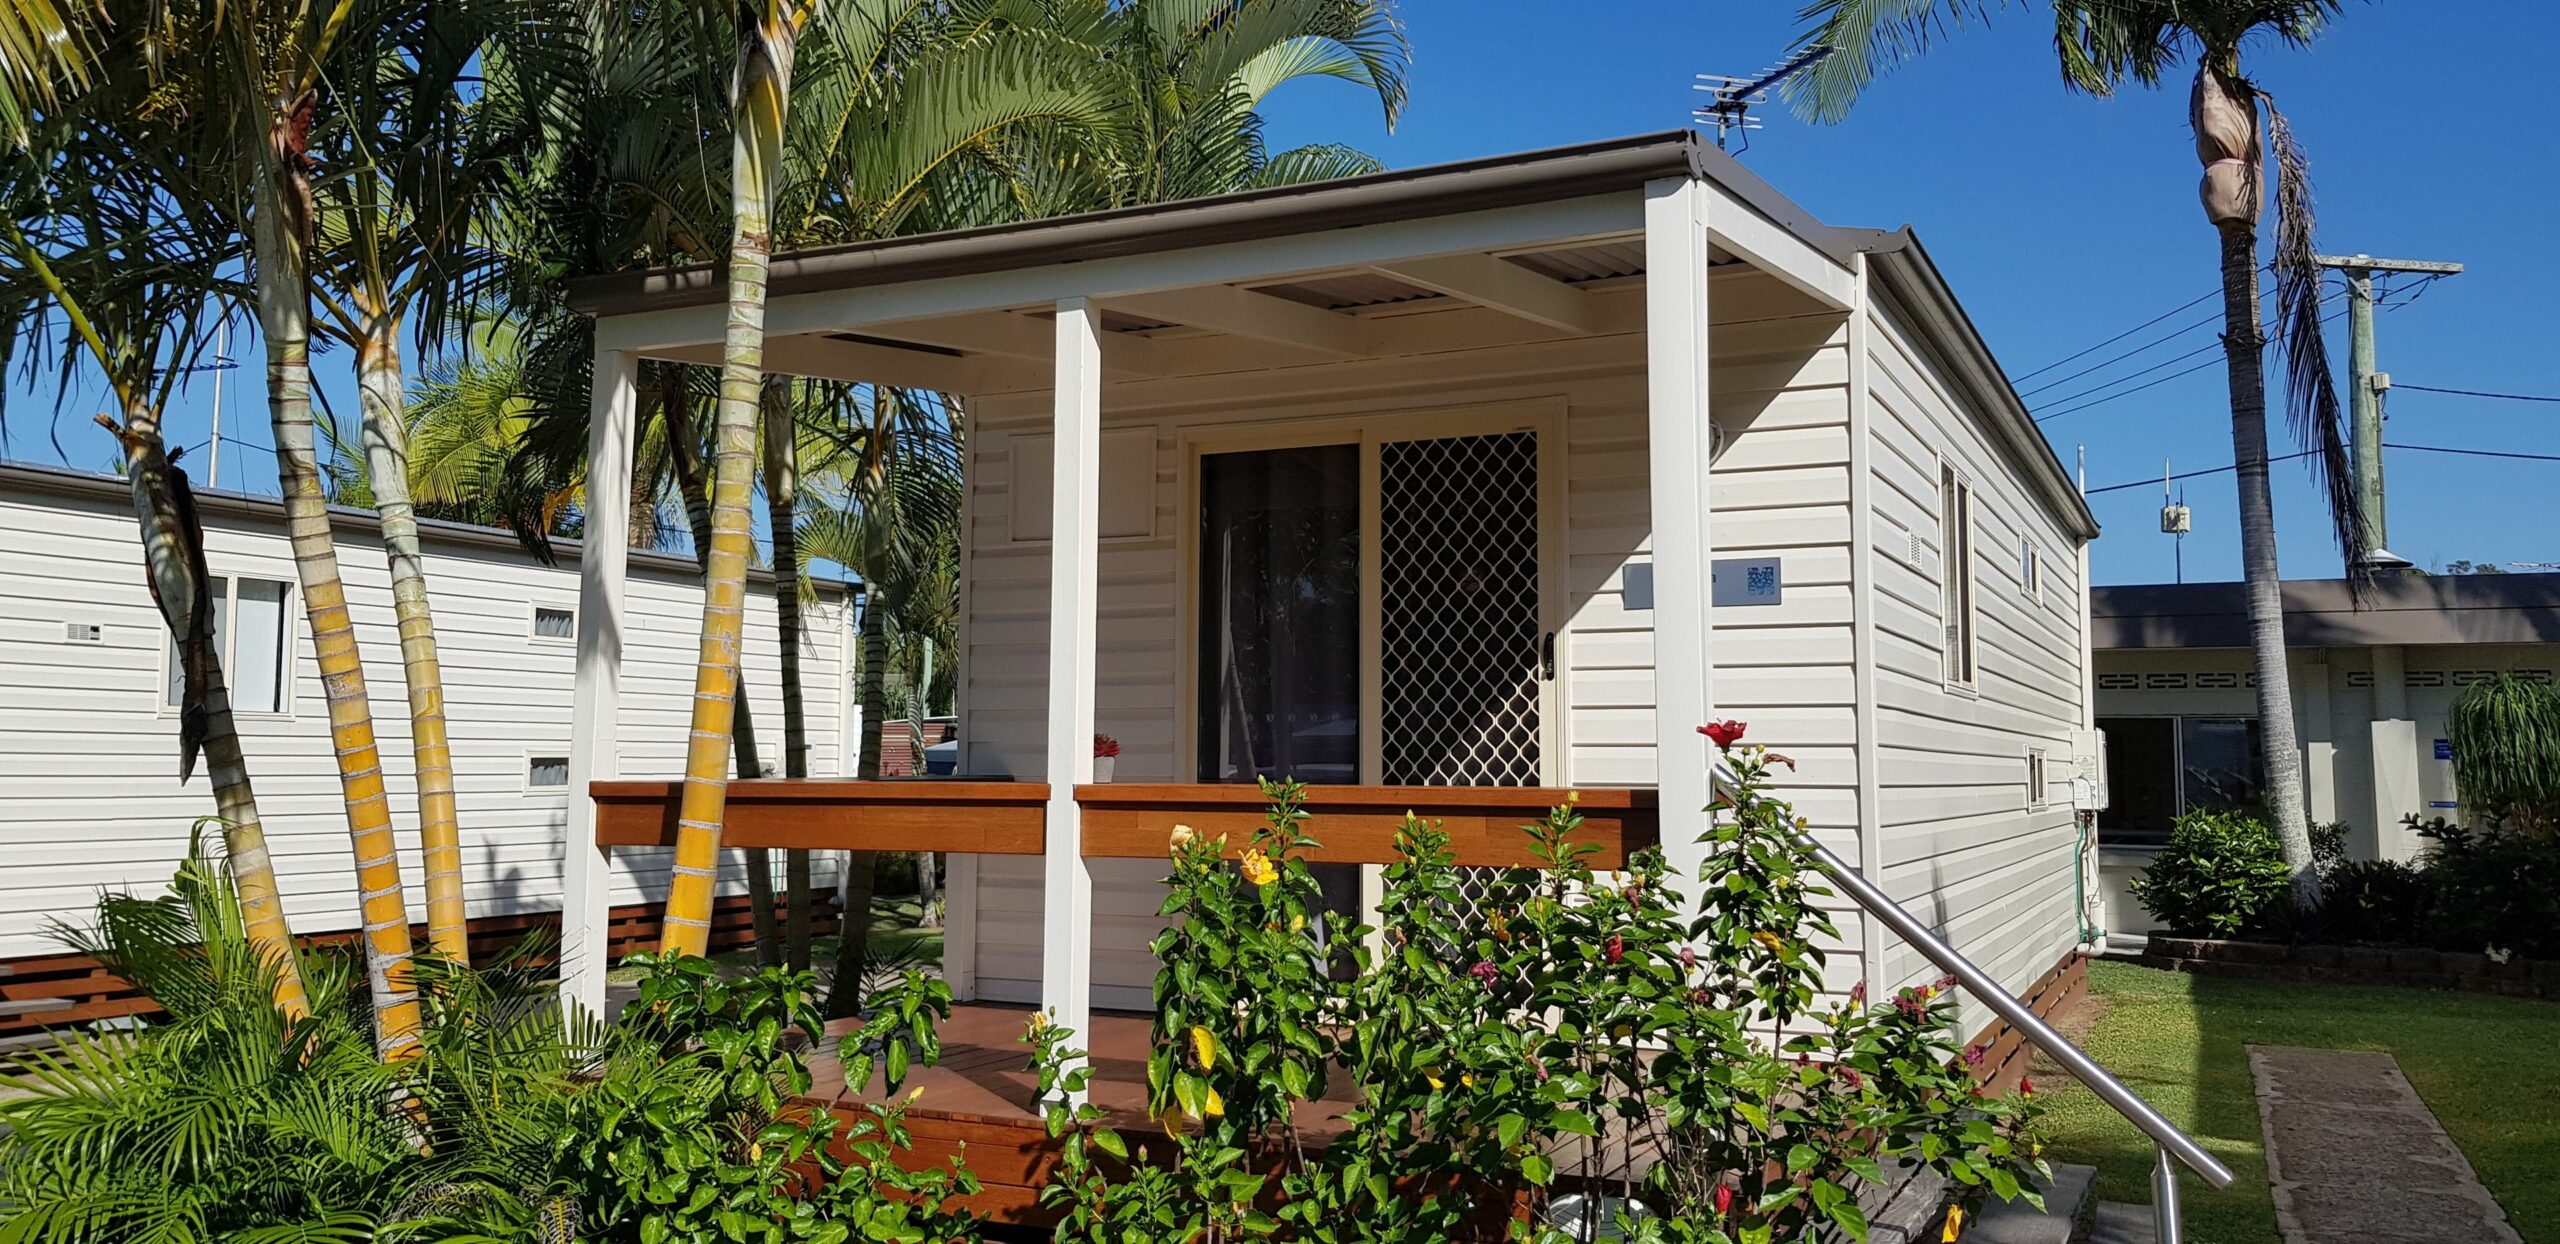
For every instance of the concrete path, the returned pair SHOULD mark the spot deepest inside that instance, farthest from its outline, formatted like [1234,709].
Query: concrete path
[2354,1155]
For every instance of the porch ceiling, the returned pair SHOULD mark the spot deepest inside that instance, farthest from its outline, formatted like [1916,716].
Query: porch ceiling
[1370,310]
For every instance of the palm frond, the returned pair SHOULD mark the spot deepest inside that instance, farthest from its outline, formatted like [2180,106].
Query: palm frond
[2311,402]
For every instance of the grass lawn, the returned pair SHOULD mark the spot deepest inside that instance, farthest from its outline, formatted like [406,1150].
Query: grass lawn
[893,933]
[2488,1066]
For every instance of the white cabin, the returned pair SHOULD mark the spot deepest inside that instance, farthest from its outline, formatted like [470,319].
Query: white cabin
[89,792]
[1431,485]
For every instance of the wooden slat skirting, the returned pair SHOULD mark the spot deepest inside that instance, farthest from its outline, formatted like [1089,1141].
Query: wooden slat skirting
[2053,994]
[96,993]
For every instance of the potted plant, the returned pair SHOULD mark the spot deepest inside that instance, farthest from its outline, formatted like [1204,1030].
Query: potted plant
[1106,757]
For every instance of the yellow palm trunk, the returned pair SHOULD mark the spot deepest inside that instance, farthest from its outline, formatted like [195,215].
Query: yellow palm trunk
[764,76]
[281,226]
[697,513]
[379,390]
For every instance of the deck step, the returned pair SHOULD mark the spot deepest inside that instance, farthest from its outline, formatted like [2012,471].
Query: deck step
[2121,1222]
[2017,1222]
[33,1006]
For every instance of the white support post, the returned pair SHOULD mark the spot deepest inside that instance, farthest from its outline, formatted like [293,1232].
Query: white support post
[1066,952]
[586,880]
[1676,426]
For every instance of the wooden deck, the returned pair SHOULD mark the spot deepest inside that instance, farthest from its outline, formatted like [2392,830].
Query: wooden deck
[1354,824]
[977,1100]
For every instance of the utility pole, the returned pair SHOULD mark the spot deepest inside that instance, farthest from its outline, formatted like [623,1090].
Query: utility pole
[2365,383]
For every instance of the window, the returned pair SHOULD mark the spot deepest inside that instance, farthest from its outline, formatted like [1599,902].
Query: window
[554,623]
[546,773]
[2159,767]
[253,640]
[2030,569]
[2036,797]
[1955,575]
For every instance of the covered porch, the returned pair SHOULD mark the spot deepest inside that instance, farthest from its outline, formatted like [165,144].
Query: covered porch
[1107,361]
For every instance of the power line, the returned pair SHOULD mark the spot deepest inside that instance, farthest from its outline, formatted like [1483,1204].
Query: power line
[2476,453]
[2112,340]
[2213,345]
[2305,453]
[2220,470]
[2508,397]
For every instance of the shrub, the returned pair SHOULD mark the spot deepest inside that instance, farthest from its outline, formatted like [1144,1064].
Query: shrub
[2505,731]
[2383,902]
[2493,889]
[2220,874]
[1583,1034]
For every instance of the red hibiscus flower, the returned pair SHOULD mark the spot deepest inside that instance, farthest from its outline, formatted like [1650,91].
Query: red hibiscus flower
[1724,1198]
[1724,733]
[1616,949]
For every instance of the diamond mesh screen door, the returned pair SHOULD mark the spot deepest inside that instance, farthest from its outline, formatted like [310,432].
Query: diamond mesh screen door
[1459,620]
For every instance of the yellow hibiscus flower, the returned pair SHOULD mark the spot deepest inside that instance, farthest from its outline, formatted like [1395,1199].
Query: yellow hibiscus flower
[1258,868]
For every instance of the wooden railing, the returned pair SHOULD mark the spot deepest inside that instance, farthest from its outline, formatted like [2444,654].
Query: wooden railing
[1355,824]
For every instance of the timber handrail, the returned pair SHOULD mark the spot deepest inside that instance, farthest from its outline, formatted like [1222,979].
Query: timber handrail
[963,815]
[2165,1136]
[1356,824]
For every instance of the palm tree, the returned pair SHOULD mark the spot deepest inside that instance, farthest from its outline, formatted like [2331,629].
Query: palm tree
[2102,44]
[124,287]
[416,162]
[236,92]
[768,33]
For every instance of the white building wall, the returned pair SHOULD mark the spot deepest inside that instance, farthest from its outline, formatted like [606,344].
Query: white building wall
[1778,388]
[88,754]
[2335,712]
[1962,844]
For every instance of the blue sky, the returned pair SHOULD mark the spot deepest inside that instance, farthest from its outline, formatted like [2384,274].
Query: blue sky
[2061,221]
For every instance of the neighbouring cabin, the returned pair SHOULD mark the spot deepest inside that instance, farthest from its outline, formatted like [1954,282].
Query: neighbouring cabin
[1451,489]
[2372,681]
[89,791]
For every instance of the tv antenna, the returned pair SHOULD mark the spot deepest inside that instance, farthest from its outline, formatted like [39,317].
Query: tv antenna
[1730,110]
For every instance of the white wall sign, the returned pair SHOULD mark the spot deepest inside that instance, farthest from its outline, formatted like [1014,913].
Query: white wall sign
[1747,581]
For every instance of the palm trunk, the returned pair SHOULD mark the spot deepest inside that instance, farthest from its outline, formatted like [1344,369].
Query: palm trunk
[2223,112]
[697,513]
[2244,347]
[756,108]
[379,391]
[862,868]
[781,495]
[170,544]
[281,228]
[928,880]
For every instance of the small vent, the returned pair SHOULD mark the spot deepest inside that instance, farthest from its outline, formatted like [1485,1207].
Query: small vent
[2166,682]
[2359,678]
[83,633]
[2426,678]
[550,623]
[2217,680]
[2119,682]
[1919,550]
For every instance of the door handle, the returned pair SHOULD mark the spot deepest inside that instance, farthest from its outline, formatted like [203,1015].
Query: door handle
[1547,657]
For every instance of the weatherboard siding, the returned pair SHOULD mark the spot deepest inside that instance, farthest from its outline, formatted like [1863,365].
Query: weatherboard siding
[89,798]
[1779,391]
[1960,843]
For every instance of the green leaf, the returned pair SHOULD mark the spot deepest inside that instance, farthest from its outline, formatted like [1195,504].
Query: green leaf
[1538,1169]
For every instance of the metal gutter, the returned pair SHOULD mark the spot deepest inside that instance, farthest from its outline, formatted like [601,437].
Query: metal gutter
[1919,285]
[18,478]
[1577,171]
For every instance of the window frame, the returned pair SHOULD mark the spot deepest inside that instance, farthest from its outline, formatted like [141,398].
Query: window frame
[2180,805]
[533,623]
[524,772]
[2039,779]
[288,661]
[2031,569]
[1959,604]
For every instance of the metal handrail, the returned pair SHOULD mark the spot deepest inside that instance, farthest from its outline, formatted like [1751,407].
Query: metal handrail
[2169,1140]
